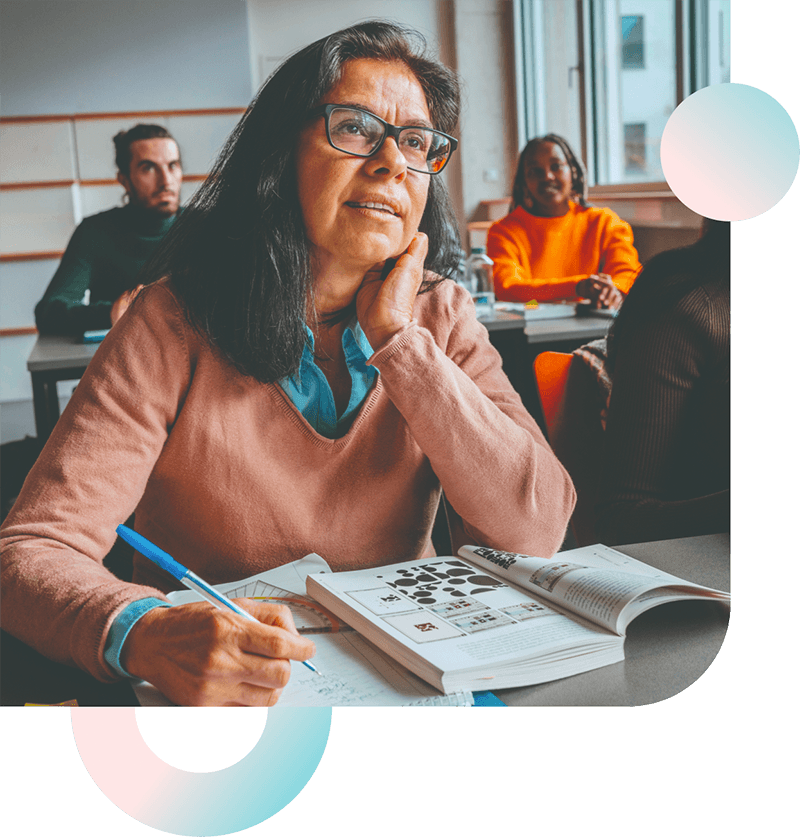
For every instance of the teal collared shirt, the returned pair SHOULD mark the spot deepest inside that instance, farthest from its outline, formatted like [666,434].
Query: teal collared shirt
[311,393]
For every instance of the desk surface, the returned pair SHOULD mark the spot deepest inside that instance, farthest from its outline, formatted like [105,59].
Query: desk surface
[666,649]
[577,329]
[51,353]
[537,332]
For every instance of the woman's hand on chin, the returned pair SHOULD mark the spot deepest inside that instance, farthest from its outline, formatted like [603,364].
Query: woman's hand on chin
[385,306]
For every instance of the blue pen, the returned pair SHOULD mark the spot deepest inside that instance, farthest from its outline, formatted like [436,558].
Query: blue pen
[186,577]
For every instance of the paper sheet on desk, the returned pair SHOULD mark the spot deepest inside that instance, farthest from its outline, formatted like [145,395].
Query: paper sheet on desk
[286,585]
[355,673]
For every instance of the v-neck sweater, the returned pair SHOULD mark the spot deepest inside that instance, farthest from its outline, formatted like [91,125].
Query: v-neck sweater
[226,475]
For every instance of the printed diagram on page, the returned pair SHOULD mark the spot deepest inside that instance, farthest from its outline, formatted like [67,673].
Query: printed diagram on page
[445,599]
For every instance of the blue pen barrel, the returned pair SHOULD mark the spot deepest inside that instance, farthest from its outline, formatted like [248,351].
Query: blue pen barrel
[153,552]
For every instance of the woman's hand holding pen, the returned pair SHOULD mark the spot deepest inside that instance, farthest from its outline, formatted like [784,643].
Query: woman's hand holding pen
[600,288]
[199,655]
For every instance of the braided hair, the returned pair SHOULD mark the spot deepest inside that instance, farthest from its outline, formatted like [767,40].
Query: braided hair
[579,186]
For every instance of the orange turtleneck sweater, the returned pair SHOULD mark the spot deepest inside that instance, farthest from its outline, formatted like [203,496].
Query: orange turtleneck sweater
[545,258]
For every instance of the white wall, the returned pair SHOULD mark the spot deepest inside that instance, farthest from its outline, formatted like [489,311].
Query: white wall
[84,56]
[90,56]
[484,46]
[278,28]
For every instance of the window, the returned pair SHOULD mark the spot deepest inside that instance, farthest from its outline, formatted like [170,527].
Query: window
[635,150]
[607,74]
[632,42]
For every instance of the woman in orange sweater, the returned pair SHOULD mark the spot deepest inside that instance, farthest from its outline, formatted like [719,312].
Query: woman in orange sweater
[553,245]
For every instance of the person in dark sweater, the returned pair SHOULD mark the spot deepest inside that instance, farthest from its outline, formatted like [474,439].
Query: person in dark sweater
[666,459]
[108,250]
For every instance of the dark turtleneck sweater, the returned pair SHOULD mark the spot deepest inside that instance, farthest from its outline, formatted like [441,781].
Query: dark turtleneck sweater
[104,256]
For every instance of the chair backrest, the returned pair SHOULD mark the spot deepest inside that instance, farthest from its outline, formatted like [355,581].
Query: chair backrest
[551,371]
[571,409]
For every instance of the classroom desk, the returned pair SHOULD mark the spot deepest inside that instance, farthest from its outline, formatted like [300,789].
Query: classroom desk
[55,358]
[666,650]
[573,330]
[543,333]
[51,360]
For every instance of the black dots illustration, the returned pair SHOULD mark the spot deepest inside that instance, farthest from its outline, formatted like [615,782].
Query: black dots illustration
[448,579]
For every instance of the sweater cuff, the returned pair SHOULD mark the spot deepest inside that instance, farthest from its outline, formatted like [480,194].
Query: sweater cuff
[393,344]
[121,627]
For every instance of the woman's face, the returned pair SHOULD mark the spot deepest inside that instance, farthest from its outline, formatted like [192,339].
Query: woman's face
[339,193]
[548,179]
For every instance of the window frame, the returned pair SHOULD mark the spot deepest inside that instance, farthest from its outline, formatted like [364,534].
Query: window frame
[691,27]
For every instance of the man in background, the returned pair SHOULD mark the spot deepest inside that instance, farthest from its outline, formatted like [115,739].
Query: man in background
[107,250]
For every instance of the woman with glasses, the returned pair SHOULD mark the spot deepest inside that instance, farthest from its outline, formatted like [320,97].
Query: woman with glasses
[553,245]
[303,380]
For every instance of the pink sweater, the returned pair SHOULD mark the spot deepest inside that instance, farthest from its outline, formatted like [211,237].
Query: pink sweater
[224,473]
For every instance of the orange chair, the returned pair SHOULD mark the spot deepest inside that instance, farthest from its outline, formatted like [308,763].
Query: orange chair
[568,395]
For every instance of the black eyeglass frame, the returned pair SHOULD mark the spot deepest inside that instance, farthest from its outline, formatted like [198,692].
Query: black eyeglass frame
[390,130]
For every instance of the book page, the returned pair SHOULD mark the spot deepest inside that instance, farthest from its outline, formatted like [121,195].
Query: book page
[455,625]
[597,582]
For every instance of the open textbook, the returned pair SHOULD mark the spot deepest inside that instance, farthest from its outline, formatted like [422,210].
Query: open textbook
[354,672]
[494,620]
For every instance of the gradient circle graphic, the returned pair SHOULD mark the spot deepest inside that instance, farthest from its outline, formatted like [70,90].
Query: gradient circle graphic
[171,733]
[136,780]
[730,152]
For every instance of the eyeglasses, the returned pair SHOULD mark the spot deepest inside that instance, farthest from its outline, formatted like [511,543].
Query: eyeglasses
[362,134]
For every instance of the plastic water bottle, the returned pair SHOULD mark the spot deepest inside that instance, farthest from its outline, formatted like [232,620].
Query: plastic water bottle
[478,280]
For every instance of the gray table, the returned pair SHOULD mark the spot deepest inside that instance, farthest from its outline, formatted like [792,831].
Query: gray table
[577,330]
[55,359]
[666,649]
[51,360]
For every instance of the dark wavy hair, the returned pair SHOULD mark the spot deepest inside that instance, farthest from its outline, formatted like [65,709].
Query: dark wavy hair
[238,254]
[579,185]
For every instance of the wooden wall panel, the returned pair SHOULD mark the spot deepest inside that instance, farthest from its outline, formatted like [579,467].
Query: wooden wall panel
[42,157]
[36,219]
[201,138]
[36,151]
